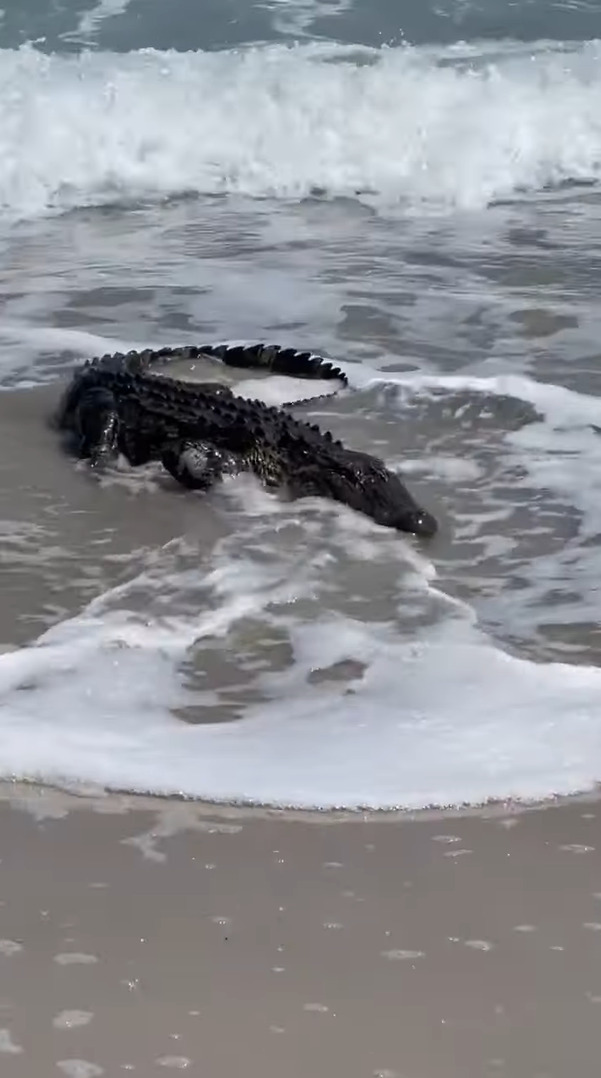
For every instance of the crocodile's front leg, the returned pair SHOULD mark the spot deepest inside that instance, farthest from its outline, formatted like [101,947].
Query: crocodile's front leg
[197,464]
[97,424]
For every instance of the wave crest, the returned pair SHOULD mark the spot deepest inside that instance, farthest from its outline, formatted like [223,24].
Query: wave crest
[409,125]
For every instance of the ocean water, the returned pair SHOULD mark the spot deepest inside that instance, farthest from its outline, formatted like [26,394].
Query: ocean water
[412,192]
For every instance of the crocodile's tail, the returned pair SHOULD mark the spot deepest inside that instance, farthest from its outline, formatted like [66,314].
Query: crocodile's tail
[274,358]
[270,357]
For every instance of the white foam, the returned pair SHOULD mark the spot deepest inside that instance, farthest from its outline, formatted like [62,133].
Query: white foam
[280,389]
[7,1045]
[51,338]
[436,716]
[90,21]
[566,407]
[409,124]
[297,16]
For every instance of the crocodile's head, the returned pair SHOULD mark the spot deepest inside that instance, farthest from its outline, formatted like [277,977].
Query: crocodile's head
[365,483]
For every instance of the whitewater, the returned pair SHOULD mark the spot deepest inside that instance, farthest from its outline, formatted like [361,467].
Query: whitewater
[426,214]
[419,127]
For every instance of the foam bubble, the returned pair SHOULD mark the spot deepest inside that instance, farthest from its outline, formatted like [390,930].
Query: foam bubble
[284,121]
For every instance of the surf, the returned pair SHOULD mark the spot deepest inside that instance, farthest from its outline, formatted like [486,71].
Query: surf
[417,127]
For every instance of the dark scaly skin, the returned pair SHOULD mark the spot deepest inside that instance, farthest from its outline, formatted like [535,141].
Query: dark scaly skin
[202,431]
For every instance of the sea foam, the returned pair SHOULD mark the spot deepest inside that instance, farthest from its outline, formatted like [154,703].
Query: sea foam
[442,719]
[412,126]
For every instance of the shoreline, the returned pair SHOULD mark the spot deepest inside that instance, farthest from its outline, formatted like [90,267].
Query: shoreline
[94,798]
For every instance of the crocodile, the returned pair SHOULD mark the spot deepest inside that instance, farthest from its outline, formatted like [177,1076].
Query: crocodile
[201,431]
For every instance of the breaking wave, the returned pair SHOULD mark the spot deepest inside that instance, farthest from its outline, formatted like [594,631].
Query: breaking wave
[421,127]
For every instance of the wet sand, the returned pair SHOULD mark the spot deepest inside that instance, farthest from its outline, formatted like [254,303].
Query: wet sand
[155,936]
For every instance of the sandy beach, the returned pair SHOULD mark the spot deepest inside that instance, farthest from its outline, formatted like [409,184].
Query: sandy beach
[156,936]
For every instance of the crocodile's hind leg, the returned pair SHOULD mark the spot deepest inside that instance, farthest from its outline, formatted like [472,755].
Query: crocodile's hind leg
[97,424]
[198,465]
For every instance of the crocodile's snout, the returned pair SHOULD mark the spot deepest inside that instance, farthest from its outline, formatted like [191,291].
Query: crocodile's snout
[419,522]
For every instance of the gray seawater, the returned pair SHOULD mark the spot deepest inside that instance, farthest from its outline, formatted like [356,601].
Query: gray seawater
[217,24]
[413,190]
